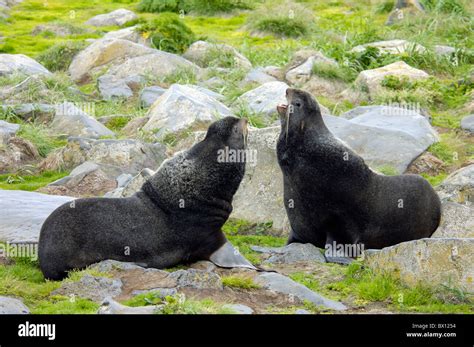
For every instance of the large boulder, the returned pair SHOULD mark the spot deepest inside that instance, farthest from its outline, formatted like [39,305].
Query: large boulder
[102,53]
[181,107]
[118,17]
[72,121]
[265,98]
[12,306]
[458,186]
[199,52]
[23,214]
[391,47]
[130,34]
[457,220]
[149,95]
[433,262]
[111,87]
[467,123]
[158,64]
[123,156]
[86,180]
[19,63]
[371,79]
[257,76]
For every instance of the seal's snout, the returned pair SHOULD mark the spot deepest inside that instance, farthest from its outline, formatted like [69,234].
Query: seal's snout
[282,109]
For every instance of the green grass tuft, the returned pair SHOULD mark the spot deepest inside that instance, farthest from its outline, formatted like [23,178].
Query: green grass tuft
[239,282]
[60,56]
[29,182]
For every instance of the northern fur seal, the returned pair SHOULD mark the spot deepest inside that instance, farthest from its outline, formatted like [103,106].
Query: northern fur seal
[332,196]
[175,218]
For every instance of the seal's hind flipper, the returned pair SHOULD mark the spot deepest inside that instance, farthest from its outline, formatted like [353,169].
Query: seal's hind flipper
[227,256]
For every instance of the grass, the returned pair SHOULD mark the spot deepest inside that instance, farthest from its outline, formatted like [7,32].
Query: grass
[29,182]
[207,7]
[239,282]
[60,56]
[40,138]
[333,72]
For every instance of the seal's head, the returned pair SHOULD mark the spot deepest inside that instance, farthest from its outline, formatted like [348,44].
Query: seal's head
[301,111]
[229,132]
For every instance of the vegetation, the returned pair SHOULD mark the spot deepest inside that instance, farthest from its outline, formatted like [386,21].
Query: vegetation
[167,32]
[29,182]
[60,56]
[207,7]
[239,282]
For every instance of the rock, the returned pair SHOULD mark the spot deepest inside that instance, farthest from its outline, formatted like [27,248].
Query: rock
[326,87]
[118,17]
[181,107]
[204,265]
[29,83]
[238,308]
[7,130]
[57,29]
[112,87]
[91,287]
[19,63]
[458,186]
[372,79]
[391,47]
[110,265]
[158,64]
[132,128]
[404,9]
[23,214]
[38,112]
[399,119]
[199,53]
[150,94]
[130,34]
[467,123]
[118,156]
[158,292]
[102,53]
[302,73]
[214,83]
[132,186]
[457,221]
[282,284]
[432,262]
[86,180]
[197,279]
[274,71]
[15,153]
[444,50]
[72,121]
[12,306]
[426,163]
[206,91]
[292,253]
[123,180]
[110,306]
[302,311]
[265,98]
[258,76]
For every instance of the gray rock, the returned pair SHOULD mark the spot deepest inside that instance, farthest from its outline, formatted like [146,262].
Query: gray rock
[206,91]
[258,76]
[117,156]
[213,82]
[292,253]
[433,262]
[110,306]
[391,47]
[132,186]
[239,308]
[7,130]
[130,34]
[444,50]
[302,73]
[155,63]
[112,87]
[458,186]
[19,63]
[457,221]
[12,306]
[265,98]
[302,311]
[199,52]
[11,92]
[404,9]
[91,287]
[133,127]
[118,17]
[29,110]
[103,53]
[467,123]
[371,79]
[284,285]
[72,121]
[110,264]
[23,214]
[181,107]
[392,109]
[123,179]
[150,94]
[198,279]
[158,292]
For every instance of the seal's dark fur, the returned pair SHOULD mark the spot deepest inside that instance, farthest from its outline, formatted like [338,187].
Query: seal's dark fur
[175,218]
[331,195]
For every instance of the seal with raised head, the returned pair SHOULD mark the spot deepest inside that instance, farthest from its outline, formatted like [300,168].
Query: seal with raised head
[175,218]
[331,195]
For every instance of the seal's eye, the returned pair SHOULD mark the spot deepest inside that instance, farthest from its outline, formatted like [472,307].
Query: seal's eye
[297,104]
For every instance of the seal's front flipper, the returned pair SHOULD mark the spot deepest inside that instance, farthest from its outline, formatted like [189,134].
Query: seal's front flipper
[227,256]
